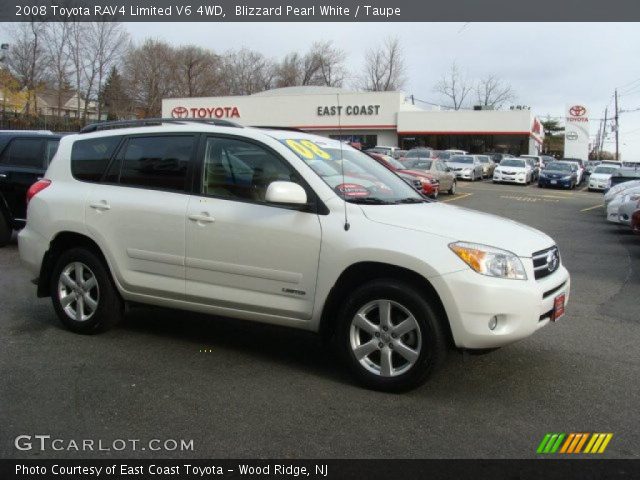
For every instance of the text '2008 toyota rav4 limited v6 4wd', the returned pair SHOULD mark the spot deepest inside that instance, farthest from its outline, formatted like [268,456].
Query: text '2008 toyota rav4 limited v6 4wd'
[264,225]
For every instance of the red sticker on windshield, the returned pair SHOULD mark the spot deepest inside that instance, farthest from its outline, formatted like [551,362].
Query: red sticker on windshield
[352,190]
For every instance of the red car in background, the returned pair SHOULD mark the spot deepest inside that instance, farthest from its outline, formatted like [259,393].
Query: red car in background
[635,222]
[430,185]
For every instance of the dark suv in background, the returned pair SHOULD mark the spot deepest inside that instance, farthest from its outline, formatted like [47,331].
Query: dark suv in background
[24,157]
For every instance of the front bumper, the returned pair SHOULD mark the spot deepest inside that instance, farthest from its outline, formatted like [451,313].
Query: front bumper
[612,211]
[498,177]
[548,182]
[522,307]
[464,175]
[598,185]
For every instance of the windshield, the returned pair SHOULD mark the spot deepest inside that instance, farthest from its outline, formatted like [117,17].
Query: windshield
[353,175]
[559,167]
[419,164]
[607,170]
[461,159]
[418,154]
[512,162]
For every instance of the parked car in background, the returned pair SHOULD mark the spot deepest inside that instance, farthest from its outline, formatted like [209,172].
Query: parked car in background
[437,168]
[513,170]
[442,155]
[613,191]
[383,150]
[613,207]
[590,166]
[497,157]
[415,153]
[466,167]
[558,174]
[546,159]
[635,222]
[430,185]
[580,164]
[488,165]
[398,154]
[24,157]
[539,163]
[628,206]
[535,170]
[456,152]
[600,178]
[625,174]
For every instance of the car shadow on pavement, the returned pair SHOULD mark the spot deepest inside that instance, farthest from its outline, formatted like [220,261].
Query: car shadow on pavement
[294,348]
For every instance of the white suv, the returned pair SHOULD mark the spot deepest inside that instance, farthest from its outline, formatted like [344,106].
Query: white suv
[265,225]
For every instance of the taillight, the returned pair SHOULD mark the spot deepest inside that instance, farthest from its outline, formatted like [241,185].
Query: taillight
[37,188]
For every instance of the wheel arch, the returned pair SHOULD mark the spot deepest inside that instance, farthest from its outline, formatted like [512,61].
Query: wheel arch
[361,272]
[62,242]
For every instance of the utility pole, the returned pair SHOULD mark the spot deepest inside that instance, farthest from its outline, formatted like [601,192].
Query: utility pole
[617,128]
[604,130]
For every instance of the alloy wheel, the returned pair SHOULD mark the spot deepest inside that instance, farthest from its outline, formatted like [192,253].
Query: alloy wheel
[78,291]
[385,338]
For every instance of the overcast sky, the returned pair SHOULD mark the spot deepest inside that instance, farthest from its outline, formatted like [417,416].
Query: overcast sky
[548,64]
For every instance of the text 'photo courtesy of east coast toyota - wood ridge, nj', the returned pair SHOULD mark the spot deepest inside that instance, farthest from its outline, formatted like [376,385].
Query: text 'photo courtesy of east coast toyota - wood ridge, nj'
[367,240]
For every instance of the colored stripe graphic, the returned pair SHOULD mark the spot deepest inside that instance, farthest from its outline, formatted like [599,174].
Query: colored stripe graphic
[573,443]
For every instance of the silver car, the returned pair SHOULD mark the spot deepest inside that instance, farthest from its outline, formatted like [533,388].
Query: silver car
[466,167]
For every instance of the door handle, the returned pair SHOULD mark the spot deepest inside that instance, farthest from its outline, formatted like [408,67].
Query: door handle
[102,205]
[202,218]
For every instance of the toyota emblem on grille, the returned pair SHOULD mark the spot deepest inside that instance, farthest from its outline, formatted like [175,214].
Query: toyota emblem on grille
[552,260]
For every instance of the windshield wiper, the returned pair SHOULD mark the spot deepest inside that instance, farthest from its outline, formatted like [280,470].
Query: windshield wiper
[411,200]
[369,200]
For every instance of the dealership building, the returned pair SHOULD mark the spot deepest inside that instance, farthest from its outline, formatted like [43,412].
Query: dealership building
[370,118]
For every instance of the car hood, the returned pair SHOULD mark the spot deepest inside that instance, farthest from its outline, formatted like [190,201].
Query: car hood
[461,224]
[600,176]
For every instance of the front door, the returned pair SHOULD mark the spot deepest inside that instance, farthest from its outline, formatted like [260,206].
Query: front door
[243,253]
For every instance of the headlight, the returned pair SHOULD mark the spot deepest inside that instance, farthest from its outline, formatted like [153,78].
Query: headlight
[467,170]
[490,261]
[566,177]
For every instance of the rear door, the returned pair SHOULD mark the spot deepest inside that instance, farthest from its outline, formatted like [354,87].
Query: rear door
[138,210]
[22,163]
[243,253]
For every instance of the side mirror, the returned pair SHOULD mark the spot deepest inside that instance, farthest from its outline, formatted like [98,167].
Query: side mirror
[289,193]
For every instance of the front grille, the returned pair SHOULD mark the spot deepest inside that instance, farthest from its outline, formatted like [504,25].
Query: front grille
[508,173]
[545,262]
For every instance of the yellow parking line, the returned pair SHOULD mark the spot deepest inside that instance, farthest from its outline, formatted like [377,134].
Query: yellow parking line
[464,195]
[592,208]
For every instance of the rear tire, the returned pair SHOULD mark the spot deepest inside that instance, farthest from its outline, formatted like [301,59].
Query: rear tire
[5,231]
[83,293]
[393,352]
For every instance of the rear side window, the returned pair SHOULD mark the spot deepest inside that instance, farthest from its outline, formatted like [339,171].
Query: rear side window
[24,152]
[158,162]
[89,158]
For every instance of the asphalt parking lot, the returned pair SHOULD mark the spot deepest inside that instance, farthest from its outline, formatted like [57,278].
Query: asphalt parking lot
[247,390]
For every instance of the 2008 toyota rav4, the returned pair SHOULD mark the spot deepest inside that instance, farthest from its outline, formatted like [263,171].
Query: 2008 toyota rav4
[265,225]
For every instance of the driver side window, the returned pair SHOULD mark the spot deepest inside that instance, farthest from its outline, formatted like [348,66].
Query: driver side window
[240,170]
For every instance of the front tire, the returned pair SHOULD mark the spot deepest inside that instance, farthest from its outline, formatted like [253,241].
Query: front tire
[390,336]
[83,294]
[5,231]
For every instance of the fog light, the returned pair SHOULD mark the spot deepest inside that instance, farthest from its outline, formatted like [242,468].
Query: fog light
[493,323]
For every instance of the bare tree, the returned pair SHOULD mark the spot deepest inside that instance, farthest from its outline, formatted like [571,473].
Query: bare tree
[148,77]
[106,42]
[197,72]
[454,86]
[288,71]
[27,59]
[247,72]
[493,92]
[58,60]
[330,64]
[323,65]
[384,68]
[77,41]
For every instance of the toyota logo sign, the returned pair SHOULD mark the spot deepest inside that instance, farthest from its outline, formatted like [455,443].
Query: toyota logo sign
[573,136]
[577,111]
[180,112]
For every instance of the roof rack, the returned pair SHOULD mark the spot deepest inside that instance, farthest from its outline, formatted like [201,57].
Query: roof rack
[291,129]
[144,122]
